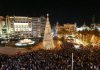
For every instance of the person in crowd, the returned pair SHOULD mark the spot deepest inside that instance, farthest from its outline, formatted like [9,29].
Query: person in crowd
[84,59]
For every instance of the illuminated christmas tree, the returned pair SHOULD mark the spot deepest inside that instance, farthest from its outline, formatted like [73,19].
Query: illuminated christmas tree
[48,43]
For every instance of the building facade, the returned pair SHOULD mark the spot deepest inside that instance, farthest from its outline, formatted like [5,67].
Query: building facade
[68,27]
[19,25]
[22,25]
[38,26]
[3,28]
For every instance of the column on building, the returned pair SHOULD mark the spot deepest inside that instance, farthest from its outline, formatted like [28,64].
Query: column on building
[8,25]
[0,25]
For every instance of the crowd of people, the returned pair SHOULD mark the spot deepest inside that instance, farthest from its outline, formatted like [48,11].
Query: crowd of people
[83,59]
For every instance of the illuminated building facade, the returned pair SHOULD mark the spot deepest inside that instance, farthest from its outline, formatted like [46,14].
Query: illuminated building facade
[38,26]
[70,27]
[3,28]
[58,27]
[66,29]
[19,25]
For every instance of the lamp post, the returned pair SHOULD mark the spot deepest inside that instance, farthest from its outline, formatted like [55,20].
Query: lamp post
[72,62]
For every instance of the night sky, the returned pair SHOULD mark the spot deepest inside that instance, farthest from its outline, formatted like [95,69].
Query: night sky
[62,11]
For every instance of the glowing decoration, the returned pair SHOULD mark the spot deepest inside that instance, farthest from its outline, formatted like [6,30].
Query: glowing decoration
[25,42]
[59,43]
[48,38]
[93,40]
[77,46]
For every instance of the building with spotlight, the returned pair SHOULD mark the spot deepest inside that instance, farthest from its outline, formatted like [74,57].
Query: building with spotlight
[65,29]
[71,28]
[22,25]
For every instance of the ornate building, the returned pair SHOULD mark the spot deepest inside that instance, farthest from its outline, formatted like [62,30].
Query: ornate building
[70,27]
